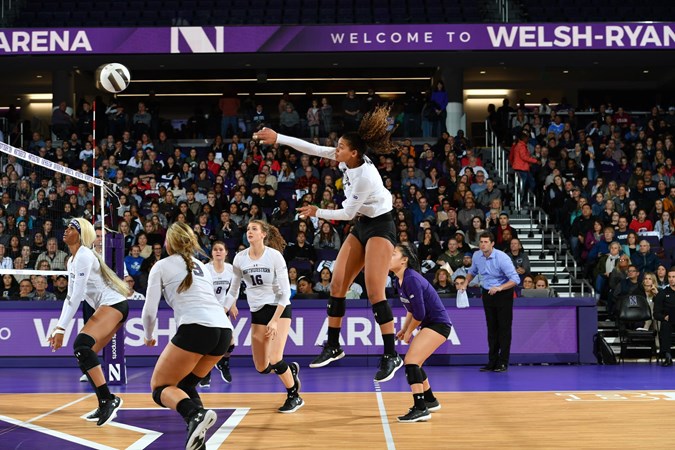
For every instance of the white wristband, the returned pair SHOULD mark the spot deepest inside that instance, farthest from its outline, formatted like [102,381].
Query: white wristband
[58,331]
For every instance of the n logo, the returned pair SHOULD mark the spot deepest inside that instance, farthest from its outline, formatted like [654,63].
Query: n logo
[114,372]
[632,301]
[197,40]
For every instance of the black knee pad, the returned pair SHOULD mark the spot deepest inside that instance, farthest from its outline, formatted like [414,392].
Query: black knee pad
[336,307]
[413,373]
[424,375]
[157,395]
[382,312]
[280,367]
[267,370]
[86,357]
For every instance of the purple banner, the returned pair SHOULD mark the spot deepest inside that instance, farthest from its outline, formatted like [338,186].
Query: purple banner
[536,330]
[339,38]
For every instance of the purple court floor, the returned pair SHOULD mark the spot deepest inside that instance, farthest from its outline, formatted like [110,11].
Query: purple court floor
[359,379]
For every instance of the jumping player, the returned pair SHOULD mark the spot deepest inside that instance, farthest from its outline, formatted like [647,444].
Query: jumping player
[91,280]
[425,310]
[203,335]
[263,269]
[371,241]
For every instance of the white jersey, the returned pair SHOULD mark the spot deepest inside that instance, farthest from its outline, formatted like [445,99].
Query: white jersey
[197,304]
[365,193]
[85,282]
[266,279]
[221,281]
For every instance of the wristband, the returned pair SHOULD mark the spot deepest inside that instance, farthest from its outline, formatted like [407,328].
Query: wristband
[58,331]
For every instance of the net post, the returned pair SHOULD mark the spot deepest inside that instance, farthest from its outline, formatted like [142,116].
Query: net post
[114,361]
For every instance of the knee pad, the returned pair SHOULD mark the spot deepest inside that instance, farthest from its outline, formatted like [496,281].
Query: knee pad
[157,395]
[230,349]
[424,375]
[280,367]
[86,357]
[413,373]
[336,307]
[382,312]
[267,370]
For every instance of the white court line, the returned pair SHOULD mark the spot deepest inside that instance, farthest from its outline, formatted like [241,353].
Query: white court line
[59,408]
[226,428]
[389,439]
[57,434]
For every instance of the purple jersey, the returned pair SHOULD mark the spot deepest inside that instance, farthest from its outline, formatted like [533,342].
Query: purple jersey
[420,298]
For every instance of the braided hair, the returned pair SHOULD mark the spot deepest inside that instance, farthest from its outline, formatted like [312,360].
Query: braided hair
[183,241]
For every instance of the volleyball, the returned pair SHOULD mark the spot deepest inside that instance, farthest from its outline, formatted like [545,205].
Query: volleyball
[112,77]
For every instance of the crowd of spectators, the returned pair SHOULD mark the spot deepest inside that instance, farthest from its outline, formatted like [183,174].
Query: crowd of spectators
[443,195]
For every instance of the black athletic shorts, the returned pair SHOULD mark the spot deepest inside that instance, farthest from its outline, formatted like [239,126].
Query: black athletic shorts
[265,314]
[441,328]
[203,340]
[122,307]
[381,226]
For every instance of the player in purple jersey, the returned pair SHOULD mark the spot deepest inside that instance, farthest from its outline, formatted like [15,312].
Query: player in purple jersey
[426,311]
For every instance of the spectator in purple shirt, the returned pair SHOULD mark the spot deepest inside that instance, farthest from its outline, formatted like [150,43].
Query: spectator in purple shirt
[425,310]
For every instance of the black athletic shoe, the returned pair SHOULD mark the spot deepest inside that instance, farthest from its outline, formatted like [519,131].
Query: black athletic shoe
[431,406]
[206,381]
[224,369]
[327,356]
[197,426]
[93,416]
[108,410]
[415,415]
[389,364]
[295,370]
[291,405]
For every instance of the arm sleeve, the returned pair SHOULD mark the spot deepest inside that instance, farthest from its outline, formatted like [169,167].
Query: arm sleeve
[416,295]
[525,154]
[81,270]
[473,270]
[281,272]
[350,206]
[153,294]
[235,285]
[306,147]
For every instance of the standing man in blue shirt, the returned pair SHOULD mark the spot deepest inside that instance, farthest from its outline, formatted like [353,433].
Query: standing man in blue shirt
[498,278]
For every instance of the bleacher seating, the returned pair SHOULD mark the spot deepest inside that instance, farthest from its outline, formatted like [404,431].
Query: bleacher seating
[596,11]
[132,13]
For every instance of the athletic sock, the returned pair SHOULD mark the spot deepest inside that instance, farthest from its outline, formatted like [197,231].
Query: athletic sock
[187,408]
[189,385]
[419,402]
[292,391]
[429,396]
[389,344]
[103,393]
[333,337]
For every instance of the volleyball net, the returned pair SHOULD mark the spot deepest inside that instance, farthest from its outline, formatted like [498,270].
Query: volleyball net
[46,196]
[39,198]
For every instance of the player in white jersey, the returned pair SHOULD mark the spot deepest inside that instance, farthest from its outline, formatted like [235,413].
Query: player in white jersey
[91,280]
[263,269]
[221,272]
[204,331]
[371,242]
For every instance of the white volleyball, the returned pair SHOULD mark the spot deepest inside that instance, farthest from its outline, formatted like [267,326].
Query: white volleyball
[113,78]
